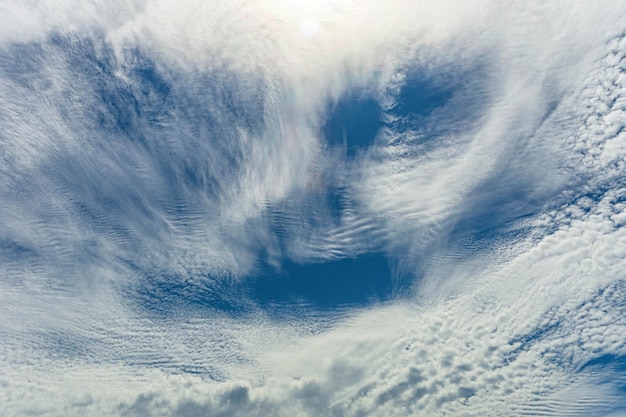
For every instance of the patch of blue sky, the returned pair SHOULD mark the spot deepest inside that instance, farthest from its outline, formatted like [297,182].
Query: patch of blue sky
[421,95]
[353,123]
[323,287]
[357,118]
[340,283]
[610,361]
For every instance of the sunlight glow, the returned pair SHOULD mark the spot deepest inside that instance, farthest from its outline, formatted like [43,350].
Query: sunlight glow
[309,27]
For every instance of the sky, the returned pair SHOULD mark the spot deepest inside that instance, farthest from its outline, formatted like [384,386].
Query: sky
[339,208]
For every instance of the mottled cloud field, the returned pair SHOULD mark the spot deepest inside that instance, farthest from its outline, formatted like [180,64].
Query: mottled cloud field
[156,155]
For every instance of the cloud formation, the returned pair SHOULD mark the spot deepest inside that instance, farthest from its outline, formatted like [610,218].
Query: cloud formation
[154,155]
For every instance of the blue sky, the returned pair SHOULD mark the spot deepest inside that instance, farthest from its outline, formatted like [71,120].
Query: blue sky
[330,208]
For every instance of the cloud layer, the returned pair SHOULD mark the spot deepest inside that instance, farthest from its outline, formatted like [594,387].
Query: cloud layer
[156,155]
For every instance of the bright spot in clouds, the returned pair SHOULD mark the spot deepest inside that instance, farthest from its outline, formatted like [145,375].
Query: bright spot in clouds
[309,27]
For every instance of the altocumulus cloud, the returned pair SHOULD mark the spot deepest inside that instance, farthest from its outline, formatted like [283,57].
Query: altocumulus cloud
[157,156]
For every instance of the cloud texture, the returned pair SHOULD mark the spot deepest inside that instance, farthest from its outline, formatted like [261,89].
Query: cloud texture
[154,154]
